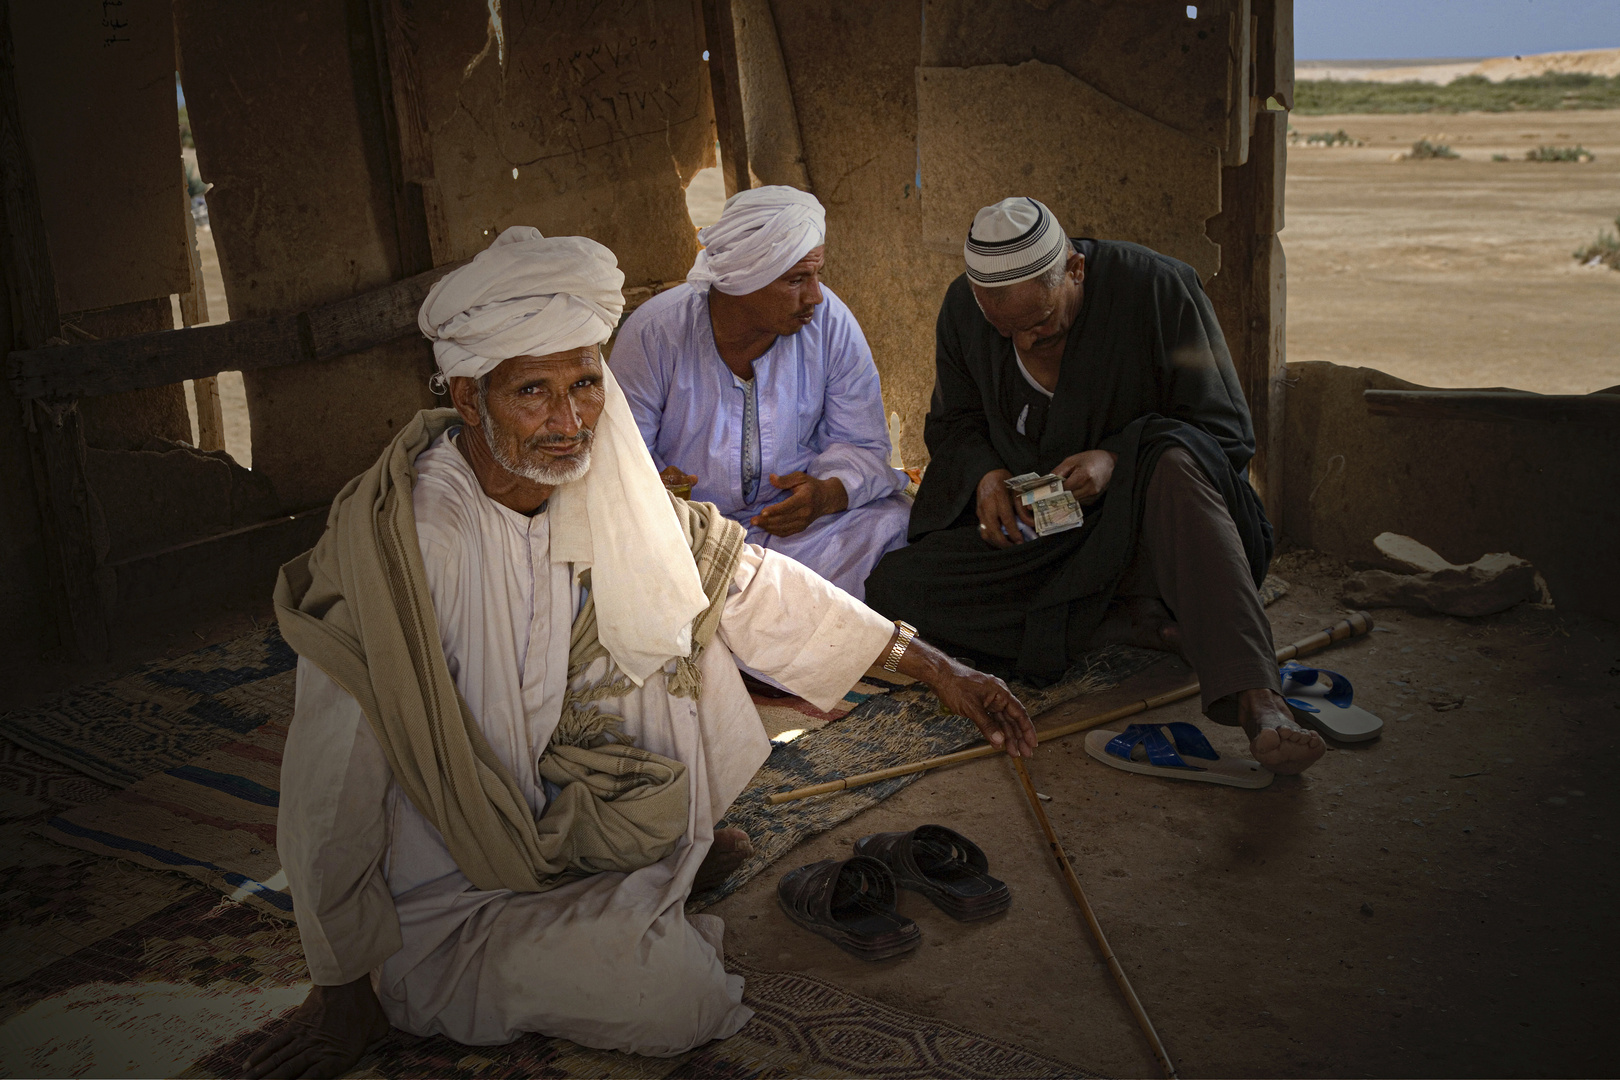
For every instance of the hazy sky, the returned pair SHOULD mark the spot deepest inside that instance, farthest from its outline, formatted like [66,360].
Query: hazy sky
[1394,29]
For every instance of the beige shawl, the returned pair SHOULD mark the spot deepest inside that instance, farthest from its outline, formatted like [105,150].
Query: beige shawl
[358,606]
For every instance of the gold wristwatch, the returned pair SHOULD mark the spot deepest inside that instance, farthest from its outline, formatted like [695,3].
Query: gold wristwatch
[902,640]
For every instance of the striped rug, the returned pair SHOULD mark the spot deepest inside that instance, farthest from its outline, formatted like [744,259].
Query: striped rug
[213,817]
[786,718]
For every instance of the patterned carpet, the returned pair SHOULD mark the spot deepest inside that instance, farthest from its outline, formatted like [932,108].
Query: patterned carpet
[163,714]
[213,816]
[190,989]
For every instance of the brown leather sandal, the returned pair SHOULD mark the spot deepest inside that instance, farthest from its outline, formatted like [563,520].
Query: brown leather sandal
[850,902]
[944,866]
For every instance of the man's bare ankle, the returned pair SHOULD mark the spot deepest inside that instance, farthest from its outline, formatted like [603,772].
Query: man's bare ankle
[1262,708]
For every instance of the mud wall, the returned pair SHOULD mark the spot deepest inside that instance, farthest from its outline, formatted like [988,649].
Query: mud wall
[912,116]
[577,118]
[1541,490]
[288,118]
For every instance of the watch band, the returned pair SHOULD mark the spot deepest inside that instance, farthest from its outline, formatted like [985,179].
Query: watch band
[902,641]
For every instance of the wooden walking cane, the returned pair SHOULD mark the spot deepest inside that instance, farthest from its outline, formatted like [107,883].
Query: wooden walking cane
[1356,625]
[1079,894]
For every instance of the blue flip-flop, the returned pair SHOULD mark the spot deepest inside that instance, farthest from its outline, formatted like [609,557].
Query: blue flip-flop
[1325,700]
[1143,748]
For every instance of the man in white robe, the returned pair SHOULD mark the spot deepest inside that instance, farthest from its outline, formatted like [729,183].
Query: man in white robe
[538,478]
[754,381]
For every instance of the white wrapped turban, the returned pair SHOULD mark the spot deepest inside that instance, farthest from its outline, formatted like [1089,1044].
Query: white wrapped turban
[532,296]
[526,295]
[761,234]
[1012,241]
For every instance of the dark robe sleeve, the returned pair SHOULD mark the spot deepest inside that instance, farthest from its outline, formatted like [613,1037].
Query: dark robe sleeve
[956,431]
[1198,385]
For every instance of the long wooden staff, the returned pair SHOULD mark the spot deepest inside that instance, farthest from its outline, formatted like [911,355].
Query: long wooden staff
[1079,895]
[1356,625]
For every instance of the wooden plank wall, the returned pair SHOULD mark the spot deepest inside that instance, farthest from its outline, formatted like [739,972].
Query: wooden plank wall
[1250,292]
[55,435]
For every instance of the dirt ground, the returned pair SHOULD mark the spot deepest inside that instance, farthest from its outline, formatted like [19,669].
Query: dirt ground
[1456,273]
[1435,903]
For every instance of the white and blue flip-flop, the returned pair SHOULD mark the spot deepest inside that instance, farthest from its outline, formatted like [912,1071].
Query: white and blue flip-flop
[1143,748]
[1322,699]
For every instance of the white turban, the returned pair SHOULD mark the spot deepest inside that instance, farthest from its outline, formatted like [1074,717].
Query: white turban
[531,296]
[525,295]
[761,234]
[1012,241]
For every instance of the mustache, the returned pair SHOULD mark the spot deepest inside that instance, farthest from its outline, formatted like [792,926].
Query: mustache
[583,438]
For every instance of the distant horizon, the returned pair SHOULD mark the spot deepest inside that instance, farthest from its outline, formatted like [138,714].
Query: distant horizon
[1448,31]
[1428,61]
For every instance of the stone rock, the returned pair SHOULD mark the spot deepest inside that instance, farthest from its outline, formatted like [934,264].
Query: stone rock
[1490,584]
[1409,553]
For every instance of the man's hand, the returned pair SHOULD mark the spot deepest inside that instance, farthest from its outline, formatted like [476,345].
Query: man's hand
[998,514]
[982,698]
[674,477]
[807,500]
[1086,474]
[329,1033]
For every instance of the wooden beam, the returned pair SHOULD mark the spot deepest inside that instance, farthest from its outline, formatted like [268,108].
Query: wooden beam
[720,36]
[1495,405]
[56,439]
[106,367]
[424,232]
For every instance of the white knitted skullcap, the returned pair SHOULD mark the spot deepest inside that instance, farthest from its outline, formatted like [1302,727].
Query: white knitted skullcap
[1014,240]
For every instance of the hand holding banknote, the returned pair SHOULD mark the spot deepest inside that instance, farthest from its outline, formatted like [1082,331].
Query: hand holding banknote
[1086,475]
[1043,499]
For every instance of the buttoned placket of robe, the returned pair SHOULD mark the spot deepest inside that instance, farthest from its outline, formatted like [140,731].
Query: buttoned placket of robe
[750,458]
[543,645]
[765,412]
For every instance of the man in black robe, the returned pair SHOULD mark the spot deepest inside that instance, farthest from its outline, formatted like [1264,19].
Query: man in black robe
[1101,362]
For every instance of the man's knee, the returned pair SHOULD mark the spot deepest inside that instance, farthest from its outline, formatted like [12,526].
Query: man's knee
[1177,471]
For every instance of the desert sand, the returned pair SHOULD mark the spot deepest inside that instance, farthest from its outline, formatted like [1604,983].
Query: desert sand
[1456,273]
[1495,68]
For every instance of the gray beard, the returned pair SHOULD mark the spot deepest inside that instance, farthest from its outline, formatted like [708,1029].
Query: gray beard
[553,474]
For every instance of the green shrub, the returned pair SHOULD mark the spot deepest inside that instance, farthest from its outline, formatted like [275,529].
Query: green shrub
[185,129]
[1499,157]
[1558,153]
[1330,138]
[1605,249]
[1468,93]
[1423,149]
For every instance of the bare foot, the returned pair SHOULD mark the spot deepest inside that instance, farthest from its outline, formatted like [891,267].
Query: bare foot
[330,1032]
[1142,621]
[1275,740]
[731,849]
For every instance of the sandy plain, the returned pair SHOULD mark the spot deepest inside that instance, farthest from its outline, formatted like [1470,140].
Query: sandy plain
[1456,273]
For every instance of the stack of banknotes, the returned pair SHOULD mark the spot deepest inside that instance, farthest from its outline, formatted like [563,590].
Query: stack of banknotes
[1054,509]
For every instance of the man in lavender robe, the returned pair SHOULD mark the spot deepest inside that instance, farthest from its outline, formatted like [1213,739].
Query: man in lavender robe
[753,383]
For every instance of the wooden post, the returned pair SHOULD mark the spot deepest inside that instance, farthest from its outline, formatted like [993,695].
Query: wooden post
[720,35]
[194,311]
[55,435]
[210,413]
[1250,291]
[424,235]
